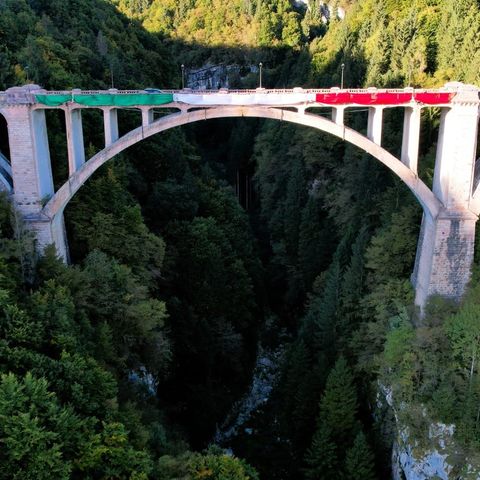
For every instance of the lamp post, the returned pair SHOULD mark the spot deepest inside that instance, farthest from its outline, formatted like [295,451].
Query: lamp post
[183,75]
[341,81]
[111,73]
[260,65]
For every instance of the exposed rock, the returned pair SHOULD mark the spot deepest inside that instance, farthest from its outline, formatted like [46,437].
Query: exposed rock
[264,379]
[143,377]
[215,76]
[436,456]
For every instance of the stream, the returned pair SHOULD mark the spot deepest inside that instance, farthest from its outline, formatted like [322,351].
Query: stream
[265,378]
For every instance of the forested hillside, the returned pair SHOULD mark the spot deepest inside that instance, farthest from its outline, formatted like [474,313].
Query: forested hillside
[122,364]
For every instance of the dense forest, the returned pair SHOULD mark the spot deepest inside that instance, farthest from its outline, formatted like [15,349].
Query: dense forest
[123,364]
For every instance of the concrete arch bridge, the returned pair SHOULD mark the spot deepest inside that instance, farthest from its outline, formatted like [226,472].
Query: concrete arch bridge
[451,207]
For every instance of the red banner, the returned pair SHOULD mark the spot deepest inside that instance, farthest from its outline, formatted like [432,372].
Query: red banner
[429,98]
[382,98]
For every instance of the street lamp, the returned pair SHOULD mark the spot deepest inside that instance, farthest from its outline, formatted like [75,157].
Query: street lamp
[260,65]
[111,73]
[183,75]
[341,81]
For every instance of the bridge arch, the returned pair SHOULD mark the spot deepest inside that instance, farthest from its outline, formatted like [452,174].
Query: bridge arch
[55,206]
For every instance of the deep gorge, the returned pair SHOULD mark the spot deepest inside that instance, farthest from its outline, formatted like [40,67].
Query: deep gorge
[199,252]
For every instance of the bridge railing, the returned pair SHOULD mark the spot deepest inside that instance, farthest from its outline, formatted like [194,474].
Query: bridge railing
[245,91]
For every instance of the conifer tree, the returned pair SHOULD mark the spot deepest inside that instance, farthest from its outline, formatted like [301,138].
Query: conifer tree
[352,286]
[315,240]
[359,462]
[294,203]
[338,406]
[321,457]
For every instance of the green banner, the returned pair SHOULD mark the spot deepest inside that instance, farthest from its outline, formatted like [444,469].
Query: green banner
[107,99]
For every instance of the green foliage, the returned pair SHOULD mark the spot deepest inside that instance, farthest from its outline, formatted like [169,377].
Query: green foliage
[213,464]
[116,226]
[419,44]
[435,365]
[77,44]
[463,331]
[313,240]
[321,457]
[40,438]
[216,466]
[338,406]
[336,425]
[109,455]
[359,460]
[391,251]
[458,37]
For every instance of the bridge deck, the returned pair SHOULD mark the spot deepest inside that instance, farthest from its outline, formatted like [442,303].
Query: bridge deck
[267,97]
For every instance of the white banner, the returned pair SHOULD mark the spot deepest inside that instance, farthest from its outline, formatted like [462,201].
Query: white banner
[244,99]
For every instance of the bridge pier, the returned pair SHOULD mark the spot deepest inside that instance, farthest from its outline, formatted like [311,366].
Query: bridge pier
[338,115]
[147,116]
[30,158]
[444,256]
[375,122]
[411,137]
[75,143]
[110,125]
[32,174]
[446,244]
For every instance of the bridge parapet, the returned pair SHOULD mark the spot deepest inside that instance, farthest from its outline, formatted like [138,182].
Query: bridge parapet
[22,95]
[33,94]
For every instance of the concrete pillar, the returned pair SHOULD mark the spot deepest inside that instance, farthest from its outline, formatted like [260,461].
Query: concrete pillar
[75,145]
[338,115]
[147,116]
[456,151]
[411,137]
[374,130]
[444,256]
[110,123]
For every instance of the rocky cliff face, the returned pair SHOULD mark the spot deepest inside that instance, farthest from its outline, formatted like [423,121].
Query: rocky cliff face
[435,456]
[216,76]
[412,462]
